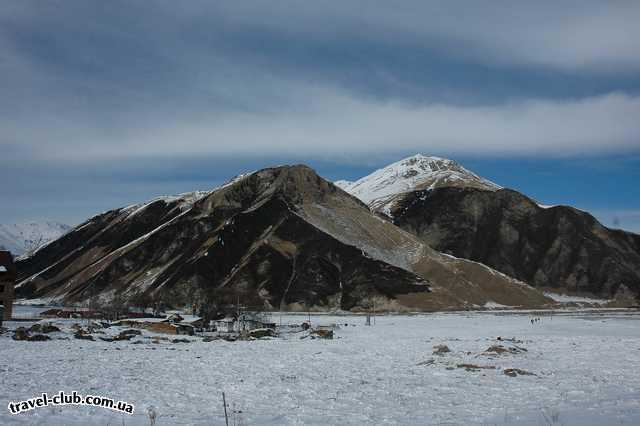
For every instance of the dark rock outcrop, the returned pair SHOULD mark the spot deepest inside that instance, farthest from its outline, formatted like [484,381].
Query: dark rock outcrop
[43,328]
[38,338]
[558,247]
[20,333]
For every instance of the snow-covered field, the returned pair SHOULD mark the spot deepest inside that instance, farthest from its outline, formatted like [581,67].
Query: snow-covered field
[585,366]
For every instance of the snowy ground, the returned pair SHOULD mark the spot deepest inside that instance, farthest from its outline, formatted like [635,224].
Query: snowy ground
[586,366]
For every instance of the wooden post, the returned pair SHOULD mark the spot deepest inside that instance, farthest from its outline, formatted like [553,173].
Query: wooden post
[226,417]
[374,311]
[151,412]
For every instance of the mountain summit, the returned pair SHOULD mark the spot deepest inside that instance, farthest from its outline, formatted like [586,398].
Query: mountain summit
[380,189]
[281,237]
[457,212]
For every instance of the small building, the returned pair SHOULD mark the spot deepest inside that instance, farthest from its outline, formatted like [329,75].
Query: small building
[193,321]
[7,283]
[225,325]
[185,324]
[244,322]
[249,321]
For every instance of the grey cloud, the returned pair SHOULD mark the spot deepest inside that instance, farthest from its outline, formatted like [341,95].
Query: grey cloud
[583,35]
[324,122]
[86,81]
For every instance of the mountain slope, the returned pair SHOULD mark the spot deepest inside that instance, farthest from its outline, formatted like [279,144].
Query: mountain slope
[459,213]
[20,238]
[558,247]
[283,237]
[381,188]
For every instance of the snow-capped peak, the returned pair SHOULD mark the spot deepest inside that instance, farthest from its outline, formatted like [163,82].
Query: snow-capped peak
[413,173]
[21,238]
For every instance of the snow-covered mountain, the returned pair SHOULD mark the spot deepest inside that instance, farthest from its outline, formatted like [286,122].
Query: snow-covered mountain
[280,237]
[380,188]
[21,238]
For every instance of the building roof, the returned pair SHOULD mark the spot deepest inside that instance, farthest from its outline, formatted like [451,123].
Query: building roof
[190,319]
[174,317]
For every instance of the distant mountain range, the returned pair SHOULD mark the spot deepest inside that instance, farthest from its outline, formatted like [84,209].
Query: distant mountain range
[21,238]
[423,234]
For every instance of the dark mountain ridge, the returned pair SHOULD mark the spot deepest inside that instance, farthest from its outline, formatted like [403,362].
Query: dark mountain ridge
[281,236]
[556,247]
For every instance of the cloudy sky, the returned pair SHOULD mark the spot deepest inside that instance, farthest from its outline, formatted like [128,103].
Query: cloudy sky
[103,104]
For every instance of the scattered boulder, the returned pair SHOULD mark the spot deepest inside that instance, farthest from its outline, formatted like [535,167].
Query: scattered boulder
[120,337]
[262,332]
[305,326]
[82,335]
[127,335]
[512,340]
[117,338]
[474,367]
[20,333]
[322,333]
[499,350]
[38,338]
[515,372]
[43,328]
[441,349]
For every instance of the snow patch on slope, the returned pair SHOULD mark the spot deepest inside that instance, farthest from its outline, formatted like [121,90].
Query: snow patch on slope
[185,200]
[563,298]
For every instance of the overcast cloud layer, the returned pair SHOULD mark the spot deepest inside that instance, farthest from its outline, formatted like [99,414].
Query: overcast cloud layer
[94,84]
